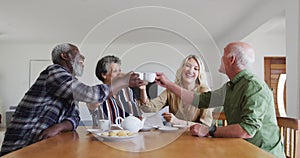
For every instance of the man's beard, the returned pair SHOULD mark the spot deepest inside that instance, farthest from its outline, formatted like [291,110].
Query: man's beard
[77,66]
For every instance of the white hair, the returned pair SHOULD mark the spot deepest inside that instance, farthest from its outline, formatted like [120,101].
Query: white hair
[57,50]
[245,56]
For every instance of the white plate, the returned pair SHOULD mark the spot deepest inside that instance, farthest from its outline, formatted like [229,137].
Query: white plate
[146,128]
[167,129]
[179,126]
[115,138]
[156,127]
[93,130]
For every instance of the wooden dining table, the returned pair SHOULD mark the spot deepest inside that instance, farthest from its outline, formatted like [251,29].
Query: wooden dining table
[154,143]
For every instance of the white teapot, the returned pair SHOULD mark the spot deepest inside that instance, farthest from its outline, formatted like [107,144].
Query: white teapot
[130,123]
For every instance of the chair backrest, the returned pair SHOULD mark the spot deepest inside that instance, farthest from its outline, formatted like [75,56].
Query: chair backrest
[289,129]
[220,117]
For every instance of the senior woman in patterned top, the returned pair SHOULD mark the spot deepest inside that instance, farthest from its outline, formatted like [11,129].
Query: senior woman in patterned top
[123,103]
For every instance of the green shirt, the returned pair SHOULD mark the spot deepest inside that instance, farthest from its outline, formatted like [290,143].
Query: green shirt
[249,102]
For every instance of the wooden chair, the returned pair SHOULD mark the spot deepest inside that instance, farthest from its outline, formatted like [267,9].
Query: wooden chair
[289,129]
[220,117]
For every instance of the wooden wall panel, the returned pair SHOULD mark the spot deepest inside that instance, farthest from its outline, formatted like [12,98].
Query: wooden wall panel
[274,66]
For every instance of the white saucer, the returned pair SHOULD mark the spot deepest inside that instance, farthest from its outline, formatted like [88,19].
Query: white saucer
[167,129]
[180,126]
[146,128]
[115,138]
[155,127]
[91,130]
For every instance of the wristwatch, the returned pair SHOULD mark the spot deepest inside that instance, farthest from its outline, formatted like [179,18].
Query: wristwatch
[212,130]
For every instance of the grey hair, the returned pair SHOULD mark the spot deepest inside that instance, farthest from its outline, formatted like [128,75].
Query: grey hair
[201,79]
[57,50]
[103,65]
[244,55]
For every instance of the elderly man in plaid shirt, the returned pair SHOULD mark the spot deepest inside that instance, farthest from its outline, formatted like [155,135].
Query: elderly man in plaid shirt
[50,106]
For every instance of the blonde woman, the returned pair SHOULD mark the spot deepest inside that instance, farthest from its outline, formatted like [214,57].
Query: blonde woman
[191,76]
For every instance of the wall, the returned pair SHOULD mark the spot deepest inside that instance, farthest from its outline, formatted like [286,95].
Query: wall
[293,58]
[268,43]
[14,70]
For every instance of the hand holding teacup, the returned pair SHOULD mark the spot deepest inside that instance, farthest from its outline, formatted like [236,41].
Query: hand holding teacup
[162,80]
[122,80]
[147,76]
[135,81]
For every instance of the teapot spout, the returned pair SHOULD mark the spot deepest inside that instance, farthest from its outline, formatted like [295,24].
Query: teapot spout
[142,122]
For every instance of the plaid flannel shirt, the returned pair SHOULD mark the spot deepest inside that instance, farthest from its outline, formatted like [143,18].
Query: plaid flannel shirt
[52,99]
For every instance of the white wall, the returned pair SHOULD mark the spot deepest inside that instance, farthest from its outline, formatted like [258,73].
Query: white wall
[267,43]
[254,20]
[14,70]
[293,58]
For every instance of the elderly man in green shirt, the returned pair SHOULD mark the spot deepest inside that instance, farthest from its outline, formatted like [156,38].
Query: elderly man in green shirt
[247,101]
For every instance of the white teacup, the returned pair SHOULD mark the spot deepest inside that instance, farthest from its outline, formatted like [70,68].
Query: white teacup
[104,125]
[141,75]
[149,76]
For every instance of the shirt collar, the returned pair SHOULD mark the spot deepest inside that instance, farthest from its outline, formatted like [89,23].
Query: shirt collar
[237,78]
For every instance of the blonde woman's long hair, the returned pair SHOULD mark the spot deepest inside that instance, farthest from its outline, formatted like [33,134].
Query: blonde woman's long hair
[201,80]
